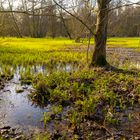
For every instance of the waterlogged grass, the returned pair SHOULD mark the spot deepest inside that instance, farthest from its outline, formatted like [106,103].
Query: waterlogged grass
[84,101]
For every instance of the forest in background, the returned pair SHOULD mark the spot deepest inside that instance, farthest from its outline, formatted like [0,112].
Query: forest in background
[44,19]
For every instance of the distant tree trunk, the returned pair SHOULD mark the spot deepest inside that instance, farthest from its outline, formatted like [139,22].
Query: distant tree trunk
[16,26]
[33,20]
[99,53]
[65,26]
[14,19]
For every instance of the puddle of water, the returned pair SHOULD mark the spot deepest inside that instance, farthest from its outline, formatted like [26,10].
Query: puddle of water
[44,69]
[17,110]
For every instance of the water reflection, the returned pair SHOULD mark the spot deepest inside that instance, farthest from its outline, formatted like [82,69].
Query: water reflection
[16,109]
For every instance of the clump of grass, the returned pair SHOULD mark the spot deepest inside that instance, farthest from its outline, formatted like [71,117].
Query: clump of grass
[57,109]
[42,93]
[42,136]
[46,118]
[7,72]
[26,76]
[19,90]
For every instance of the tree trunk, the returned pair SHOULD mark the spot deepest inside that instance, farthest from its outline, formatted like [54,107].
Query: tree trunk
[65,26]
[99,53]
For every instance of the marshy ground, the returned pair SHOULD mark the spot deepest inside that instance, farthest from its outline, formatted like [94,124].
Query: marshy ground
[47,90]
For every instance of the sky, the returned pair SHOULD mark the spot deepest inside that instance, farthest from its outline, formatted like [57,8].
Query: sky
[69,2]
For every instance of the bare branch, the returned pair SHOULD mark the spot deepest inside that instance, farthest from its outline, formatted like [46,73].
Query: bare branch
[27,13]
[125,5]
[75,17]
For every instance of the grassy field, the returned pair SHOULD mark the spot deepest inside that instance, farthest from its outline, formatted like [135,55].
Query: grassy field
[85,103]
[14,51]
[124,42]
[28,51]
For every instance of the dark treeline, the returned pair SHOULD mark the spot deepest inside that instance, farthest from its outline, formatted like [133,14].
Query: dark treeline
[51,21]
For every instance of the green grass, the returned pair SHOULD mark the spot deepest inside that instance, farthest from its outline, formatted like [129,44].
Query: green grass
[27,51]
[30,51]
[124,42]
[93,96]
[37,43]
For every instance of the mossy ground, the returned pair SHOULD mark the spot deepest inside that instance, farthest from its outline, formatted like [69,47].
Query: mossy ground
[86,103]
[88,100]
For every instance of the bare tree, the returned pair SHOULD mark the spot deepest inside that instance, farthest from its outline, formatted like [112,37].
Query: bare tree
[64,24]
[100,32]
[99,53]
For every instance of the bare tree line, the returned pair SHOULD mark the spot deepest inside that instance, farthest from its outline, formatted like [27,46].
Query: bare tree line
[41,18]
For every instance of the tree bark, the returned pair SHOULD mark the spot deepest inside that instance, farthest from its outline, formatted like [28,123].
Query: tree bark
[100,37]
